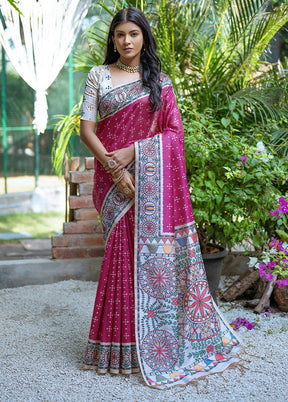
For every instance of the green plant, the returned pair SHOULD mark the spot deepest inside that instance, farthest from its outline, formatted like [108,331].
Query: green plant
[234,182]
[66,127]
[211,50]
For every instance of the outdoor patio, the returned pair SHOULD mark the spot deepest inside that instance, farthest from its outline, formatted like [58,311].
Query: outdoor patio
[43,338]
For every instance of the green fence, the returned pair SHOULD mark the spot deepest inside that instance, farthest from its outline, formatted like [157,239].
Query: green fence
[22,152]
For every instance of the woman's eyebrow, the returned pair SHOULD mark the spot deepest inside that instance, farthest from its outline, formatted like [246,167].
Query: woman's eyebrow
[133,30]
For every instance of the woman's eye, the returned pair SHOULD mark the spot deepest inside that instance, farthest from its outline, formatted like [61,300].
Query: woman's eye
[134,34]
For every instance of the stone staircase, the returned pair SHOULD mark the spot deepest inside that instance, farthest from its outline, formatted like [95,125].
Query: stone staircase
[82,235]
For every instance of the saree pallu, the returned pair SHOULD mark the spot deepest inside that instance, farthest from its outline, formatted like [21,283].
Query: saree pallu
[153,309]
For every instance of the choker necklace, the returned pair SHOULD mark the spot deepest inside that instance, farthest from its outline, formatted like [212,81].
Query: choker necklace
[133,69]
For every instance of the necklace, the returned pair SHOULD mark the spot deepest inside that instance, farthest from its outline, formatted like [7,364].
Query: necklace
[129,69]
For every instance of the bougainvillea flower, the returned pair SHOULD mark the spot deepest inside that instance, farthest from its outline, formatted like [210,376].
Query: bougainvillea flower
[242,322]
[275,213]
[271,264]
[244,159]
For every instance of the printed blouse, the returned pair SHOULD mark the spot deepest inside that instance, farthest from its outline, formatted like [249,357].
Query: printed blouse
[98,83]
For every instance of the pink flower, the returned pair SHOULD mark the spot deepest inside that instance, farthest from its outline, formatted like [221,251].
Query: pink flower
[275,213]
[282,201]
[150,313]
[269,276]
[242,322]
[282,283]
[271,264]
[244,159]
[284,207]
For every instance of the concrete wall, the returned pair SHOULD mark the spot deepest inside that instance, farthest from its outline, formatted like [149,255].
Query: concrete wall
[38,200]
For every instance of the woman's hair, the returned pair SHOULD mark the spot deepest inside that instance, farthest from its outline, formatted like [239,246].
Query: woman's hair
[150,65]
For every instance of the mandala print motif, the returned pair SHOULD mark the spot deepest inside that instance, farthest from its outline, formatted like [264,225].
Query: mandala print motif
[149,149]
[198,302]
[149,189]
[160,350]
[157,278]
[149,228]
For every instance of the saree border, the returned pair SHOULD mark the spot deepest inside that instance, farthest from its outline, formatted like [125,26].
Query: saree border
[114,207]
[179,366]
[124,95]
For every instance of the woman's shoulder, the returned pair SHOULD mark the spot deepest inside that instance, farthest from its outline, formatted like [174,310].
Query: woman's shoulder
[165,80]
[98,75]
[98,71]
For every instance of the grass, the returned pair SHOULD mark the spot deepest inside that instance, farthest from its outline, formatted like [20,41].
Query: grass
[39,225]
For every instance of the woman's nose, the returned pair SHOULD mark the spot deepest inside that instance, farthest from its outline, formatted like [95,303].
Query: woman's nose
[127,39]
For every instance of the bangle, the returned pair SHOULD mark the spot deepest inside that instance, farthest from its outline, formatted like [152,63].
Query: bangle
[120,177]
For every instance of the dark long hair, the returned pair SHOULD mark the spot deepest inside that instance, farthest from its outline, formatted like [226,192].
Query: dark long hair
[150,65]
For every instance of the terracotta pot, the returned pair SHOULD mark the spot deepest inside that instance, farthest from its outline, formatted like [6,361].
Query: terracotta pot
[281,298]
[213,267]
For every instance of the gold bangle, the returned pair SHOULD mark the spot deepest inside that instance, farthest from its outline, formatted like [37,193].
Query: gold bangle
[120,177]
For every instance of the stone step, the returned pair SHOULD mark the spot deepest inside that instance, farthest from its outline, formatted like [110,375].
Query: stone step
[86,188]
[77,240]
[40,271]
[82,227]
[89,163]
[86,214]
[82,177]
[77,252]
[83,201]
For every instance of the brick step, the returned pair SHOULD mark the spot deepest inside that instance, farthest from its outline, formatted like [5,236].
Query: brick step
[86,214]
[82,227]
[83,201]
[77,252]
[86,188]
[89,163]
[82,177]
[77,240]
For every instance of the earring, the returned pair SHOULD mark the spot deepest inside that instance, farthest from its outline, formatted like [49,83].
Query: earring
[115,49]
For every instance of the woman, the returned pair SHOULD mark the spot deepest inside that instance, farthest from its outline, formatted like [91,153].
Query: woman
[153,310]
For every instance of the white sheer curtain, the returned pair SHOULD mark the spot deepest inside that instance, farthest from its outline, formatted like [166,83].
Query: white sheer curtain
[39,41]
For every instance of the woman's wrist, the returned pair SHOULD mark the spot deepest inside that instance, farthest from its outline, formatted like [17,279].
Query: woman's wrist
[119,177]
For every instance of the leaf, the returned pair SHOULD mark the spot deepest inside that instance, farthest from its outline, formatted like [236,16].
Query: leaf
[283,235]
[220,183]
[225,122]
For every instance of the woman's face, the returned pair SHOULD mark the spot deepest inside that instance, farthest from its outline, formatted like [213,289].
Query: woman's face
[128,39]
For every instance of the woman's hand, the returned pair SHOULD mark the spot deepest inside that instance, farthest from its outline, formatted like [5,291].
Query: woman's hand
[122,157]
[127,184]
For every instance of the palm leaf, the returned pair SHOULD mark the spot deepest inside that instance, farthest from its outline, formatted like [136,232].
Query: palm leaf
[66,127]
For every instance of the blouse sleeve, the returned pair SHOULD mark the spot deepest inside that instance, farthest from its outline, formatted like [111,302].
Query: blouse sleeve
[90,97]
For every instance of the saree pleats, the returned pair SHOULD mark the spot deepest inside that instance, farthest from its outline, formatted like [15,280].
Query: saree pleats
[111,345]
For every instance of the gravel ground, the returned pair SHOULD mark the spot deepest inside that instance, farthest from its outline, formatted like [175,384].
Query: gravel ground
[43,336]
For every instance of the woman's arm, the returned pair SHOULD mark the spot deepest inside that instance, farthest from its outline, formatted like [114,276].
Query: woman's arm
[92,142]
[122,156]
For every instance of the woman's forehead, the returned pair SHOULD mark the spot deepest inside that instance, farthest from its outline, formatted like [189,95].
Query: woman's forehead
[127,27]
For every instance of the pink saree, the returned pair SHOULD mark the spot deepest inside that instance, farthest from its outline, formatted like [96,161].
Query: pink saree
[153,310]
